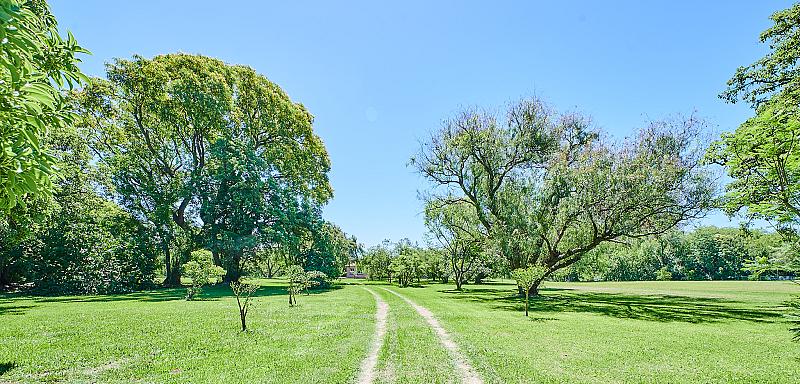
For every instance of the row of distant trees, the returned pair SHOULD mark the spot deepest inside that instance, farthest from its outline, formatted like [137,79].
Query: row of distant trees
[109,182]
[706,253]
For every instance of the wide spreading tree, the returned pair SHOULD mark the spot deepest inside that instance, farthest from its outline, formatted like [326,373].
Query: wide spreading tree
[548,188]
[207,154]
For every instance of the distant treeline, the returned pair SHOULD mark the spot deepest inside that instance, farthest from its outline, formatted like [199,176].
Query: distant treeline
[706,253]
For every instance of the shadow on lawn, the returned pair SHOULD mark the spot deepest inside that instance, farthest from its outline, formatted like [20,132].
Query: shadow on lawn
[6,366]
[211,293]
[640,307]
[15,309]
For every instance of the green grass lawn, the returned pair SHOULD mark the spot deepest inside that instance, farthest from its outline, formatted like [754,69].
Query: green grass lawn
[667,332]
[157,337]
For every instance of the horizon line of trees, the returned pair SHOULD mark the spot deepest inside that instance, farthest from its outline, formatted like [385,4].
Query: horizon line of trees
[704,253]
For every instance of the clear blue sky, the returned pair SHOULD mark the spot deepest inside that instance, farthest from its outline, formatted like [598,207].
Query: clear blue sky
[378,77]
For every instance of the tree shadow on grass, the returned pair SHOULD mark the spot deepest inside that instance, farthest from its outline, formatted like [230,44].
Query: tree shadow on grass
[7,366]
[15,309]
[210,293]
[640,307]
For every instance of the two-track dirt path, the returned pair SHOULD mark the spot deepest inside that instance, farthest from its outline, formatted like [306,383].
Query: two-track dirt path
[468,374]
[367,373]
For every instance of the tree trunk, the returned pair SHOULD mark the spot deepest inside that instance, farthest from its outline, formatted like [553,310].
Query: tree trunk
[527,302]
[233,270]
[5,277]
[243,318]
[217,260]
[172,276]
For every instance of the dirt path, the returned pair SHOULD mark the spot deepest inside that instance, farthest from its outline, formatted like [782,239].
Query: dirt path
[367,372]
[468,374]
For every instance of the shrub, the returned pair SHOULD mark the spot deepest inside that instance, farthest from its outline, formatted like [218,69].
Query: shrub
[663,274]
[300,280]
[202,272]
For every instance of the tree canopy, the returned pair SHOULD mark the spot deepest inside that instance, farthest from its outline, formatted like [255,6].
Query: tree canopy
[36,64]
[548,188]
[208,154]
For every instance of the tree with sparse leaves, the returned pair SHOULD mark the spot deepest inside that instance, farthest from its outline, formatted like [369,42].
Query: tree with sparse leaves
[458,232]
[548,188]
[244,295]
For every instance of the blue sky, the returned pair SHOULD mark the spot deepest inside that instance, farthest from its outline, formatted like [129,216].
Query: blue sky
[378,77]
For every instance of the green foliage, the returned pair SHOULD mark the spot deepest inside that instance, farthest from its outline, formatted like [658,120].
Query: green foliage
[330,249]
[764,165]
[548,189]
[91,246]
[407,264]
[208,154]
[376,261]
[528,279]
[776,72]
[761,156]
[707,253]
[75,241]
[36,65]
[201,271]
[300,281]
[458,231]
[663,274]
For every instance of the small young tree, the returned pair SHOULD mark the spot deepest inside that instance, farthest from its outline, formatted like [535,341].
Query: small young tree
[244,293]
[527,278]
[202,271]
[298,281]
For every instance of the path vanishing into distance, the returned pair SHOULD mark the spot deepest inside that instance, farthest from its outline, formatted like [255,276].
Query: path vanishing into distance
[367,373]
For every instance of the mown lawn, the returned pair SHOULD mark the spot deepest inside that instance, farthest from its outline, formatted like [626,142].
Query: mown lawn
[665,332]
[157,337]
[631,332]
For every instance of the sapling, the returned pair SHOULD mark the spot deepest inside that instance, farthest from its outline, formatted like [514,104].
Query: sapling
[244,293]
[527,278]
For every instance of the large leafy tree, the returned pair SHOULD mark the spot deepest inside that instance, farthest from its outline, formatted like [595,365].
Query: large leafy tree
[776,72]
[203,151]
[761,155]
[36,65]
[548,189]
[75,240]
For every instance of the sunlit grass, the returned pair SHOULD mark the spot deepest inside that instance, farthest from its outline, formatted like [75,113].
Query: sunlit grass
[665,332]
[158,337]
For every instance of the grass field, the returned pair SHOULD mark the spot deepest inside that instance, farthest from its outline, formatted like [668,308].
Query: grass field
[668,332]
